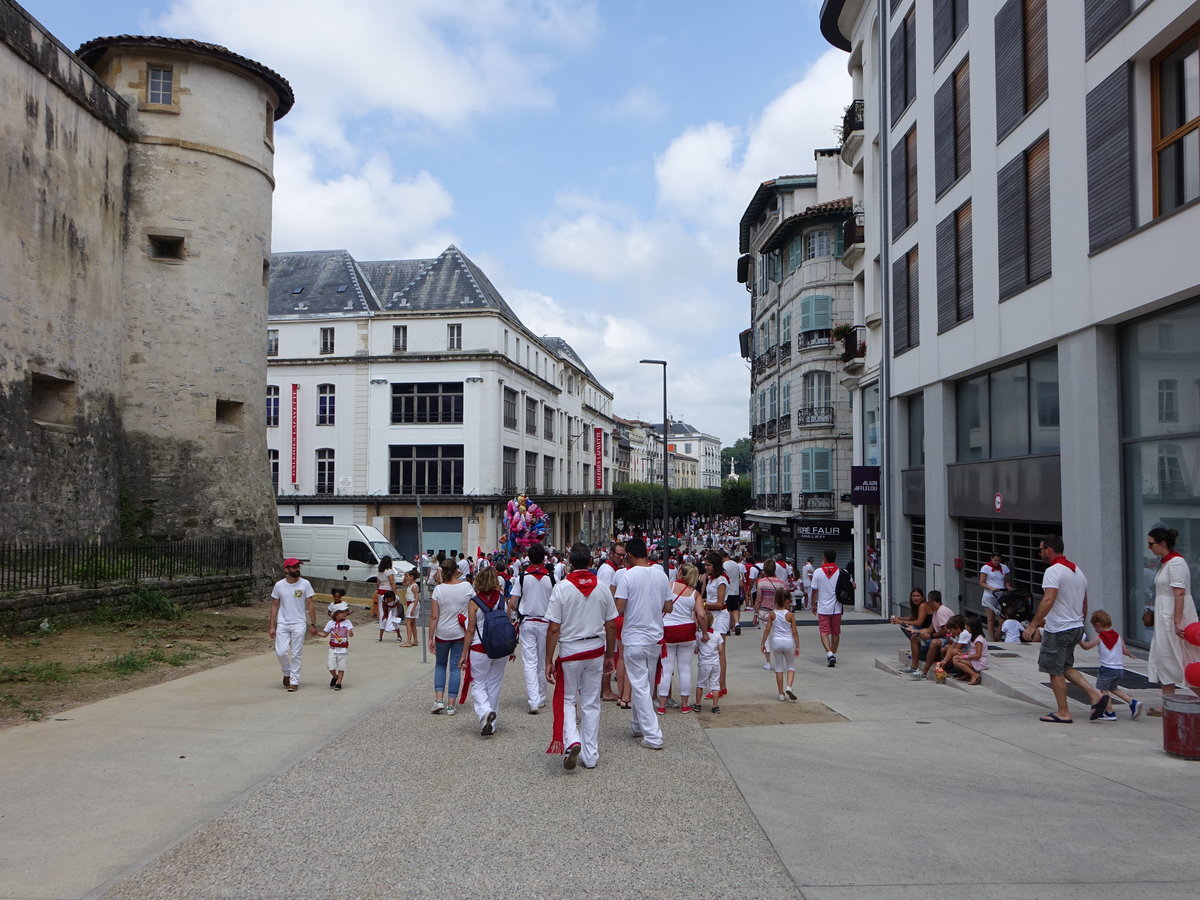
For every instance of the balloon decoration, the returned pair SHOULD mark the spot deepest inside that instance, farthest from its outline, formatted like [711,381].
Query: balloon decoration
[1192,674]
[1192,634]
[524,524]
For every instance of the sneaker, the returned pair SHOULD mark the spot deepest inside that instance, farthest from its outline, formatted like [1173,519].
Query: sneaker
[737,629]
[650,746]
[723,692]
[286,681]
[333,681]
[790,693]
[337,687]
[533,710]
[438,708]
[832,661]
[685,709]
[783,696]
[917,675]
[716,709]
[571,757]
[489,724]
[767,667]
[908,670]
[708,696]
[1135,708]
[661,710]
[542,704]
[672,703]
[450,710]
[1108,717]
[293,687]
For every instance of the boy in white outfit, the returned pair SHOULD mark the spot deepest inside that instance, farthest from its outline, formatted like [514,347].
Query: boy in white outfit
[340,629]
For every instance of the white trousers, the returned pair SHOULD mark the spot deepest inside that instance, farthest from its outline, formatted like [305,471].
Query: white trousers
[641,660]
[581,679]
[486,675]
[678,656]
[533,656]
[289,644]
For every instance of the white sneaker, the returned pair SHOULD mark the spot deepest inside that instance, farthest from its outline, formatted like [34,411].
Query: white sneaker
[916,675]
[533,709]
[438,708]
[450,710]
[782,696]
[907,670]
[791,694]
[766,667]
[650,746]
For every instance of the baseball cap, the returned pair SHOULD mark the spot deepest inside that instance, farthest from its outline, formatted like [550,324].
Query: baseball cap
[291,561]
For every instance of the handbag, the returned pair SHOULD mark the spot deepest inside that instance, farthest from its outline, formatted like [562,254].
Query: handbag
[1148,617]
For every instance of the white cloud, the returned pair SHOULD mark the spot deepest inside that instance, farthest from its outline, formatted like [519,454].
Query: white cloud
[371,212]
[639,103]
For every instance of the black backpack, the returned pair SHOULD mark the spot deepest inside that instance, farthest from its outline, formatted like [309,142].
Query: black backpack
[844,590]
[496,631]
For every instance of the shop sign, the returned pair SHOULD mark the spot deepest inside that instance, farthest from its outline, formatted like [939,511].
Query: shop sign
[864,485]
[836,530]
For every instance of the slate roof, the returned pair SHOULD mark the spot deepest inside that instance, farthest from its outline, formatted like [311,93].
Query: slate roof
[562,348]
[762,195]
[329,282]
[450,282]
[788,227]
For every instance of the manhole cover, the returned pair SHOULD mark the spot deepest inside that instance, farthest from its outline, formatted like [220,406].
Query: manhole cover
[804,712]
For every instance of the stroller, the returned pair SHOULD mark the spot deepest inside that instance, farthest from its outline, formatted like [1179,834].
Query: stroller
[1016,604]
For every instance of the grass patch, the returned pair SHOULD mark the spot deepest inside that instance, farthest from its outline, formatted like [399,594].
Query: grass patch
[45,672]
[144,603]
[140,660]
[30,712]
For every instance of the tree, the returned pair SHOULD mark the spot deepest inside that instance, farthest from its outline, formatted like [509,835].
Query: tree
[741,453]
[735,497]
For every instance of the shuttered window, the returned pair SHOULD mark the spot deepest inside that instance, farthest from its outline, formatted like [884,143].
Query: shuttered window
[816,470]
[1101,20]
[955,290]
[952,135]
[903,65]
[949,21]
[1110,158]
[906,321]
[904,183]
[1022,61]
[1023,219]
[816,313]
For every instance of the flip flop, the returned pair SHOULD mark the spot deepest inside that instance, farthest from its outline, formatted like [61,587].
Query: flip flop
[1053,717]
[1098,708]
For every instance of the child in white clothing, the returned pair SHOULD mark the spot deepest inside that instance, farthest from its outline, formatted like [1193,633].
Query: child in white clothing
[781,642]
[340,629]
[708,675]
[1010,630]
[1112,651]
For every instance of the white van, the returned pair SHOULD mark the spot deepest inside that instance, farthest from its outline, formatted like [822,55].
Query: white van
[345,552]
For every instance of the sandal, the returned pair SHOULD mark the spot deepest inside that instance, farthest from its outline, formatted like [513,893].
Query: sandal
[621,704]
[1155,711]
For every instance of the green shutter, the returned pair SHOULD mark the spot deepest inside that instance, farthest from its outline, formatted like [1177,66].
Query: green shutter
[822,470]
[822,313]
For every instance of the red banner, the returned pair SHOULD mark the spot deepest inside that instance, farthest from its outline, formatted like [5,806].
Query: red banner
[295,426]
[598,478]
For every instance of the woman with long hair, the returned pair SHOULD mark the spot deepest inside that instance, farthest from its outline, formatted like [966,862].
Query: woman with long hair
[483,674]
[679,638]
[386,604]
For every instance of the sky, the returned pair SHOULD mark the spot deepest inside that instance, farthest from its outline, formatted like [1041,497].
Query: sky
[594,158]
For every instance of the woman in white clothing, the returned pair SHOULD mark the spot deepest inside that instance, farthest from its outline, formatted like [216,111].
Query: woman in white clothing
[714,602]
[679,638]
[385,605]
[483,674]
[447,616]
[1174,611]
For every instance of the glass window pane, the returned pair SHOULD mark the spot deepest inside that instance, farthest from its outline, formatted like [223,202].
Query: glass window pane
[972,415]
[1009,401]
[916,430]
[1157,350]
[1043,398]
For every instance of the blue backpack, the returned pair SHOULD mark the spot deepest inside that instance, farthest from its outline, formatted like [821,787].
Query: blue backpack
[496,631]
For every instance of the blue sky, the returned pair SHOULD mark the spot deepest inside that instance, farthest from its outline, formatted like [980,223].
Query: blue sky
[593,157]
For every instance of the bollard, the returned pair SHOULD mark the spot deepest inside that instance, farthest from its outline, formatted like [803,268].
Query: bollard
[1181,725]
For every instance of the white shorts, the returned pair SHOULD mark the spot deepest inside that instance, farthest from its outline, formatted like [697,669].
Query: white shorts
[337,660]
[708,675]
[990,602]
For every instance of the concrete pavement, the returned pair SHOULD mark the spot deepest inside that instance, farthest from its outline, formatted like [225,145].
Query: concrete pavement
[914,789]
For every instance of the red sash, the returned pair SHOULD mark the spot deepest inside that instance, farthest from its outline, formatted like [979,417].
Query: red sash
[560,695]
[679,634]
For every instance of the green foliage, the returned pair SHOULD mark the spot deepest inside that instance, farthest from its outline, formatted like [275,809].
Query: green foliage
[140,660]
[133,522]
[637,503]
[30,712]
[735,497]
[742,454]
[94,570]
[144,603]
[35,671]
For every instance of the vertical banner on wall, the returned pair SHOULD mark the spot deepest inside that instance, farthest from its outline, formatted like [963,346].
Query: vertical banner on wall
[598,477]
[295,426]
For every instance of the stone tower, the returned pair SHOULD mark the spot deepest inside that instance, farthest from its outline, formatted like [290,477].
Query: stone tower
[192,359]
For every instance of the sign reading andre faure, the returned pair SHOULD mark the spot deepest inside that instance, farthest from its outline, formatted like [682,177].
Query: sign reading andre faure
[822,529]
[864,485]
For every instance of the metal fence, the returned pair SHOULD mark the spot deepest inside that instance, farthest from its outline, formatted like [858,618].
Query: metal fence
[25,567]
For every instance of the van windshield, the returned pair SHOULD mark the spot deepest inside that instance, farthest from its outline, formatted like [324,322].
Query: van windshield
[383,548]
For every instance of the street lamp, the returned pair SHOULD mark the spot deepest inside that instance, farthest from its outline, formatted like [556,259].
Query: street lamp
[665,516]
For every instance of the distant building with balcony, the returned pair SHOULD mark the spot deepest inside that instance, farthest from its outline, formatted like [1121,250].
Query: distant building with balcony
[402,379]
[801,343]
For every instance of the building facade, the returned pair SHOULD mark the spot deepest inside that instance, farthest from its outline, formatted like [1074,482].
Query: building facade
[134,249]
[687,440]
[801,344]
[1036,170]
[396,380]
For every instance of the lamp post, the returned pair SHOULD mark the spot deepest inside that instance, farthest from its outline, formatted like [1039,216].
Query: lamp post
[665,515]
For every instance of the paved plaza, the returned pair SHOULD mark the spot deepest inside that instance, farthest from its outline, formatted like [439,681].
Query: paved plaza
[221,784]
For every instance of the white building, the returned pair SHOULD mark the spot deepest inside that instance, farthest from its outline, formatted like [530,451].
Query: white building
[688,440]
[800,344]
[1034,175]
[400,379]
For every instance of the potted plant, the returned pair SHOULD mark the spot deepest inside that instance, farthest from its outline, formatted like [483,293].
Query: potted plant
[842,331]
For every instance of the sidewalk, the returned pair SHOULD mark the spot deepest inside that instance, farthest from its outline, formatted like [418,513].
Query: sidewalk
[223,784]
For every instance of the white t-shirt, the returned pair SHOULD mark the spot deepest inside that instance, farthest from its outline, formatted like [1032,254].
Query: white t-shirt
[994,580]
[339,634]
[464,567]
[293,601]
[452,602]
[533,590]
[806,574]
[710,648]
[720,616]
[580,617]
[733,574]
[1067,612]
[560,570]
[644,589]
[826,588]
[606,574]
[1011,629]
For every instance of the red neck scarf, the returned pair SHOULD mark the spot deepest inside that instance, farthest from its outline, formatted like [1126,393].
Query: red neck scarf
[584,580]
[1170,556]
[830,569]
[537,571]
[999,568]
[1109,638]
[1063,561]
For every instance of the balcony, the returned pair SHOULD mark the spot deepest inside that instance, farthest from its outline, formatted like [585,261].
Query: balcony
[852,132]
[814,416]
[773,502]
[812,340]
[772,429]
[785,352]
[853,241]
[785,425]
[854,346]
[815,501]
[758,433]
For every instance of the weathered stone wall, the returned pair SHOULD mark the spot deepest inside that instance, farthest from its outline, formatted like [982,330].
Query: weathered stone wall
[26,612]
[62,197]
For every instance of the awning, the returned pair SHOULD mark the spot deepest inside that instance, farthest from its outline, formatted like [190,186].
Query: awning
[767,517]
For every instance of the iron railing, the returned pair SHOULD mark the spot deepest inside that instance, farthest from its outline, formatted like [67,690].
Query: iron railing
[785,424]
[25,567]
[852,121]
[816,500]
[820,338]
[814,415]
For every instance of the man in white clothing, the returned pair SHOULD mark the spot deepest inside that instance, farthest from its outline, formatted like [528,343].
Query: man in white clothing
[581,628]
[733,593]
[528,599]
[292,613]
[607,574]
[806,575]
[643,595]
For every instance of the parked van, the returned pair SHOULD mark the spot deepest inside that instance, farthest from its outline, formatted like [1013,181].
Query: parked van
[346,552]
